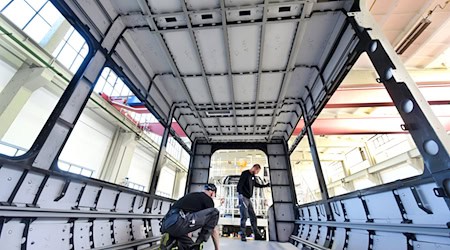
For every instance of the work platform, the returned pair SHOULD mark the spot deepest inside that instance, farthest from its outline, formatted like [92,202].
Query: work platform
[235,243]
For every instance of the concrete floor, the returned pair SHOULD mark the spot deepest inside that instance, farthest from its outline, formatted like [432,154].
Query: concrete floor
[231,244]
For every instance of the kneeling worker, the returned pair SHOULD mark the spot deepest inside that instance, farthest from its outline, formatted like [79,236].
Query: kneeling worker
[193,211]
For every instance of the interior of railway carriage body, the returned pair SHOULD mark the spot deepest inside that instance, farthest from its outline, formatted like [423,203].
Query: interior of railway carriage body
[111,110]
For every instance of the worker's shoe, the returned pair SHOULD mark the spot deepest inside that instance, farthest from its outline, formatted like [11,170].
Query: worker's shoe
[167,242]
[259,237]
[243,237]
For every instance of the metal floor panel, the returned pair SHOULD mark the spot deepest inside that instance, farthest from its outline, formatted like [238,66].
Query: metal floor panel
[230,243]
[227,243]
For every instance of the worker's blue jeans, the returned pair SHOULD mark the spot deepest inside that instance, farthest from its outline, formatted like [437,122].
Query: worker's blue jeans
[246,210]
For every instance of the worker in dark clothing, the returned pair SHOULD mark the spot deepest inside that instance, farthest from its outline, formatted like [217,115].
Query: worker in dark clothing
[245,189]
[191,212]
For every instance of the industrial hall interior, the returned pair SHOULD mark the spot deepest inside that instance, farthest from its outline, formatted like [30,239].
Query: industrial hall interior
[112,110]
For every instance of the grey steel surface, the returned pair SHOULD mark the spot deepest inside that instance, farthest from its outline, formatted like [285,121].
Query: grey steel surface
[231,52]
[397,228]
[227,243]
[235,243]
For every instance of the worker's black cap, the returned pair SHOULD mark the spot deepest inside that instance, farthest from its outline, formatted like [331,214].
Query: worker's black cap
[211,187]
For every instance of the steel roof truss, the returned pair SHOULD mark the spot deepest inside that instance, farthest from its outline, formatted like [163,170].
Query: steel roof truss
[146,10]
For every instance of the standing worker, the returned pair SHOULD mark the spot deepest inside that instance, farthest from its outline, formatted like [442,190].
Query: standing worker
[245,189]
[191,212]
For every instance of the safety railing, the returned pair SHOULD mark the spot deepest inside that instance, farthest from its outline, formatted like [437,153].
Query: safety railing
[11,149]
[74,168]
[230,206]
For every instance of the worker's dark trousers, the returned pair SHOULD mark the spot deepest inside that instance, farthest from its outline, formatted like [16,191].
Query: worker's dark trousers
[246,210]
[185,223]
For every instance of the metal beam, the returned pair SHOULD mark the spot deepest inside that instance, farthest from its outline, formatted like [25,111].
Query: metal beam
[301,28]
[261,57]
[228,59]
[377,96]
[362,125]
[146,10]
[384,227]
[133,244]
[240,7]
[308,243]
[158,163]
[21,212]
[428,134]
[199,58]
[316,159]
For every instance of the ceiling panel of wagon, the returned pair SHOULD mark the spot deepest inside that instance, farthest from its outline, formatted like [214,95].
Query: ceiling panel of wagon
[233,70]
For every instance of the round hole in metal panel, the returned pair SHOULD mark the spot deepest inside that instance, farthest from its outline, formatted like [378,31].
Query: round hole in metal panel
[407,106]
[389,73]
[431,147]
[373,46]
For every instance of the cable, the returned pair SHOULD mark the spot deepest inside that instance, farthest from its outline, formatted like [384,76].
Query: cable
[437,6]
[371,6]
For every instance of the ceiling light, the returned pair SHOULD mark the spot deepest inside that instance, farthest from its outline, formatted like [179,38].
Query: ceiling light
[413,35]
[214,113]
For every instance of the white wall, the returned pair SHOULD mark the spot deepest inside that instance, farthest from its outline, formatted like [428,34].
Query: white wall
[141,167]
[181,188]
[89,142]
[6,73]
[30,120]
[166,182]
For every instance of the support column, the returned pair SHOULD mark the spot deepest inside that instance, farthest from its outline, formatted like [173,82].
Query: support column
[159,161]
[427,132]
[54,37]
[316,161]
[119,157]
[179,175]
[315,154]
[283,213]
[48,146]
[18,91]
[348,186]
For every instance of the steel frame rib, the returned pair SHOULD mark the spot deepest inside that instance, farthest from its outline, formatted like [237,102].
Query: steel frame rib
[430,229]
[228,58]
[141,65]
[216,25]
[240,7]
[146,10]
[242,73]
[134,244]
[202,65]
[261,57]
[293,55]
[56,213]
